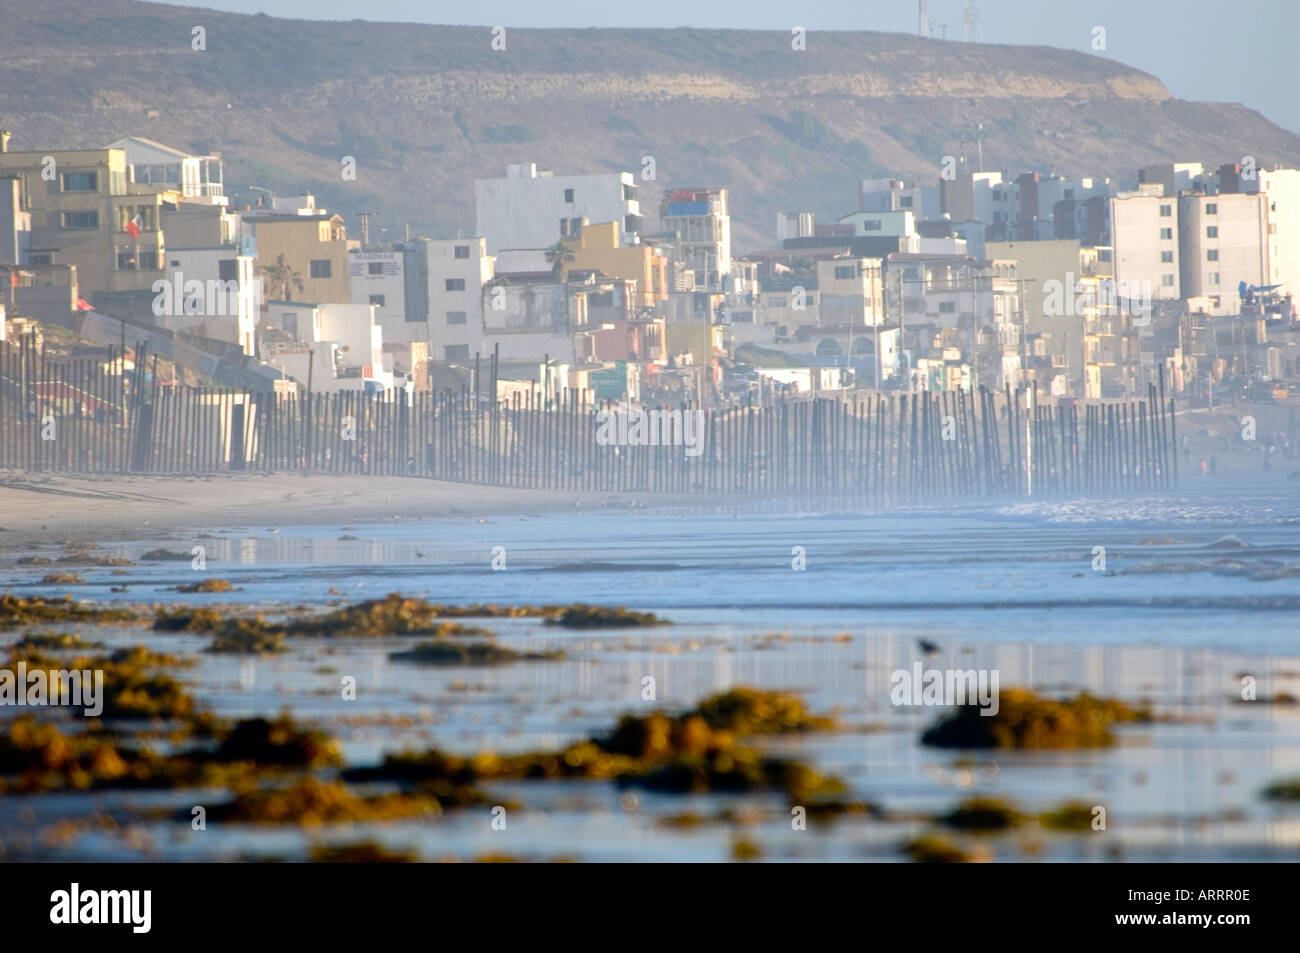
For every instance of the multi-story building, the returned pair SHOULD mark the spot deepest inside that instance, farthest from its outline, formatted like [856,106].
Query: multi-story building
[444,286]
[197,178]
[599,248]
[315,248]
[849,292]
[895,195]
[86,213]
[702,224]
[1222,244]
[1144,236]
[535,209]
[378,278]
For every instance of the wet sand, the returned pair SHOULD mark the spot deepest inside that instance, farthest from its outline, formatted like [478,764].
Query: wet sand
[42,507]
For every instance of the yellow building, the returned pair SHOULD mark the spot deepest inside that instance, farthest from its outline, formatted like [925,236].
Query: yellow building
[599,249]
[85,212]
[315,247]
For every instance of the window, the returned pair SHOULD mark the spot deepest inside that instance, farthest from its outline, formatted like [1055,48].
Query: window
[461,251]
[1166,234]
[1211,208]
[1166,211]
[455,317]
[377,299]
[375,268]
[1212,231]
[947,307]
[871,225]
[44,258]
[320,268]
[454,284]
[81,219]
[568,195]
[1166,258]
[1167,280]
[905,201]
[126,260]
[846,271]
[1212,254]
[456,352]
[81,181]
[629,193]
[228,269]
[1069,193]
[1214,277]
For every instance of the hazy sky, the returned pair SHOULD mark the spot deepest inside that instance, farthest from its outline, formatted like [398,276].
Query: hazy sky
[1201,49]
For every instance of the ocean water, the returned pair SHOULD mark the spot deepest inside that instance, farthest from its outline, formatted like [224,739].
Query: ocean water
[1166,600]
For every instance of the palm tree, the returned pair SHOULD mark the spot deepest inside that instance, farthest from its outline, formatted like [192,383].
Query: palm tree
[281,279]
[559,255]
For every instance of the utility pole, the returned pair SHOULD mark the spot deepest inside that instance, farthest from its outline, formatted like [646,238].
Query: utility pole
[365,227]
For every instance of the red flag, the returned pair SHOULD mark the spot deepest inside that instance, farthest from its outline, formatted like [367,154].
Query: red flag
[82,306]
[133,227]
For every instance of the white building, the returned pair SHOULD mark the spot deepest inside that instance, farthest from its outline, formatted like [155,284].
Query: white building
[1282,188]
[1144,235]
[336,347]
[212,292]
[1222,242]
[444,281]
[378,278]
[895,195]
[701,220]
[535,209]
[151,163]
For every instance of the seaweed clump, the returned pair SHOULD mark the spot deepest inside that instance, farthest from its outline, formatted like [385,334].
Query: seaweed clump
[1073,816]
[583,616]
[982,814]
[1027,720]
[207,585]
[32,610]
[474,652]
[933,849]
[696,751]
[311,803]
[392,615]
[366,852]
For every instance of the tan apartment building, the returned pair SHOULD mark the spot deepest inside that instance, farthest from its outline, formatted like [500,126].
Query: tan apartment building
[315,246]
[600,248]
[86,213]
[849,292]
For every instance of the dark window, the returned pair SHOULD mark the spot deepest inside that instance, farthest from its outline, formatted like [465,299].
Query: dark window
[454,284]
[455,317]
[320,268]
[81,219]
[375,268]
[45,258]
[1212,255]
[81,181]
[1211,208]
[1167,257]
[461,251]
[1212,231]
[456,352]
[1166,211]
[568,195]
[126,260]
[629,193]
[377,299]
[846,271]
[148,261]
[228,269]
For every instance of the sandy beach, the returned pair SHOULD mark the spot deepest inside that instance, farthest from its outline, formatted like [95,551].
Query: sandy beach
[39,507]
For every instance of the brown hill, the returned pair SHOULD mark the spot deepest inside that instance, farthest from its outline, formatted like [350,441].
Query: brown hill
[425,109]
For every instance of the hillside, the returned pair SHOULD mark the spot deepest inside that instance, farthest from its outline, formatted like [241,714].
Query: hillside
[425,109]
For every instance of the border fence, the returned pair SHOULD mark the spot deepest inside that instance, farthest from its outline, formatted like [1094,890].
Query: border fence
[110,416]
